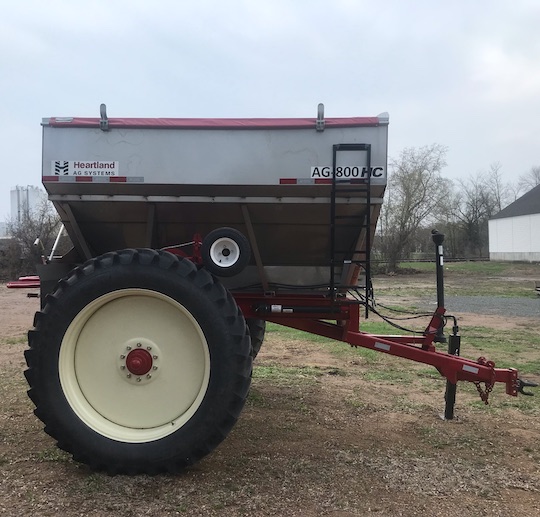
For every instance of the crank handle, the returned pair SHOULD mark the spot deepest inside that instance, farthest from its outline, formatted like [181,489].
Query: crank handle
[526,384]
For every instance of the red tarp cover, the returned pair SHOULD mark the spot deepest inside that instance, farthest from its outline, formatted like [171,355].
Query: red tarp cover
[213,123]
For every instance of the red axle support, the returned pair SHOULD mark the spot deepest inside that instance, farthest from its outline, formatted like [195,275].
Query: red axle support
[339,319]
[24,282]
[195,244]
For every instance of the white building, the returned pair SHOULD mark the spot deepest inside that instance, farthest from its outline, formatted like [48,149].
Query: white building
[25,200]
[514,233]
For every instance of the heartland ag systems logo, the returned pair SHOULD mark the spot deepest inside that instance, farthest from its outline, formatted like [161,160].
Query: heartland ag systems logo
[84,168]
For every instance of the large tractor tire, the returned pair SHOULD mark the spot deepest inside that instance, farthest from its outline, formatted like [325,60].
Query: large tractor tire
[257,329]
[139,363]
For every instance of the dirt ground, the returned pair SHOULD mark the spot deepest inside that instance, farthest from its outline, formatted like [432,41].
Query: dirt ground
[328,436]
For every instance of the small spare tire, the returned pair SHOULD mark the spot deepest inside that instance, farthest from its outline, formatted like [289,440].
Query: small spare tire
[225,252]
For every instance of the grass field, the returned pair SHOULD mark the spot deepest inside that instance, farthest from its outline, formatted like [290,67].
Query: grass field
[464,278]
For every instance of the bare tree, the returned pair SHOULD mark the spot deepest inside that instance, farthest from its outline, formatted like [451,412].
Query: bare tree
[42,223]
[415,192]
[478,202]
[529,180]
[501,192]
[514,191]
[449,224]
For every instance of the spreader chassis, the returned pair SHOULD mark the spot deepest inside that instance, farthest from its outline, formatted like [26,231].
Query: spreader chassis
[338,317]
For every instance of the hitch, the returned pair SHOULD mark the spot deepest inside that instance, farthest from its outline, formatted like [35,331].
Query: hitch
[526,384]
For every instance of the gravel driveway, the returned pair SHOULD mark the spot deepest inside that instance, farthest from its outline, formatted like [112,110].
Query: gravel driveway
[494,305]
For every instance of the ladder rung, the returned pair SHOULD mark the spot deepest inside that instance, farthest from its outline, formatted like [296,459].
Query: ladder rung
[350,190]
[357,252]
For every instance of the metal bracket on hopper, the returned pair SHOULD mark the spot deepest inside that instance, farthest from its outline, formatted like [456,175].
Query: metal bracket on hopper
[319,125]
[150,224]
[255,247]
[104,122]
[78,241]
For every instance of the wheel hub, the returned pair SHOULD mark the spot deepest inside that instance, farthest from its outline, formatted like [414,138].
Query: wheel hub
[225,252]
[139,361]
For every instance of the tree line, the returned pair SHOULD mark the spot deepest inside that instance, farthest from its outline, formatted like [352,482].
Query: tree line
[419,198]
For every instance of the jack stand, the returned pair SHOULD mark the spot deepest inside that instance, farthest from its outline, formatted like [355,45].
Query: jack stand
[454,343]
[438,239]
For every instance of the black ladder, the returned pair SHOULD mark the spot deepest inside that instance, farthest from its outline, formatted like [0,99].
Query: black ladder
[349,184]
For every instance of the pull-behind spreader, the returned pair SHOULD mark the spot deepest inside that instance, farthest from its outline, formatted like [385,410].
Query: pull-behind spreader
[140,359]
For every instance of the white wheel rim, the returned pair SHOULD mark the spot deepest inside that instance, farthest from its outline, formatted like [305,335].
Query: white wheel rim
[225,252]
[109,398]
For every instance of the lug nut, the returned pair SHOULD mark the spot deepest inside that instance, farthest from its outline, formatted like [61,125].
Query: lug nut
[154,356]
[139,345]
[129,375]
[138,379]
[122,356]
[122,367]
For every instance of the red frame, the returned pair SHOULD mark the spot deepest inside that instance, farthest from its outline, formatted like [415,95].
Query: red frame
[195,256]
[340,319]
[25,282]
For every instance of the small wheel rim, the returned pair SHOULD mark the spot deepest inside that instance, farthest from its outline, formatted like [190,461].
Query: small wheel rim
[134,365]
[225,252]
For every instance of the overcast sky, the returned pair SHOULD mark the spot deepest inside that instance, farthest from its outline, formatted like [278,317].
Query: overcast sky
[465,73]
